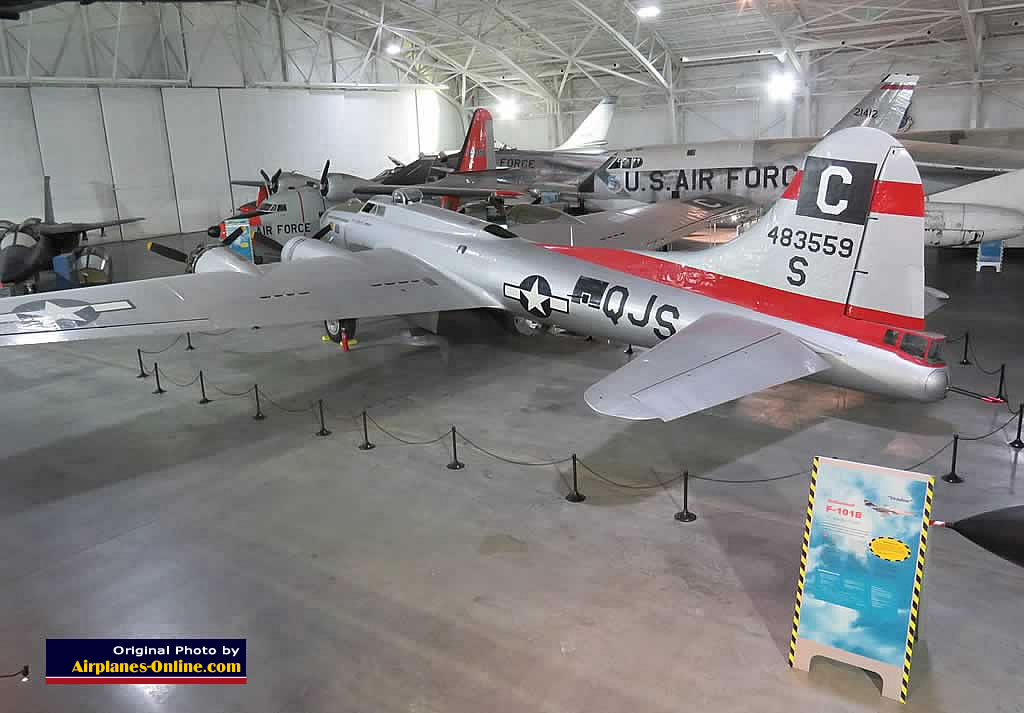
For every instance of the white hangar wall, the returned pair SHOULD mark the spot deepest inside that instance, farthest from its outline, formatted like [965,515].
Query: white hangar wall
[190,113]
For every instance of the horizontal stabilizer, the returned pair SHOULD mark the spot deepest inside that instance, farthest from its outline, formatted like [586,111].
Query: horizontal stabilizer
[718,358]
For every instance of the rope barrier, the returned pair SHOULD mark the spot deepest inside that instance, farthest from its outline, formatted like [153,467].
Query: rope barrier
[161,351]
[512,460]
[389,434]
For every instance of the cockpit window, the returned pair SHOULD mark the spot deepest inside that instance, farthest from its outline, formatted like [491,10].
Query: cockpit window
[935,351]
[380,209]
[914,345]
[368,208]
[500,232]
[892,337]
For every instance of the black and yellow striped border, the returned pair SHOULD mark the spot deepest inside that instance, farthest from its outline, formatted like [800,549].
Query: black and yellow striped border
[915,604]
[803,562]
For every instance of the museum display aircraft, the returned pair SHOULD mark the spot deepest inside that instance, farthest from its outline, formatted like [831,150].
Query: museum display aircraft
[829,284]
[973,192]
[28,248]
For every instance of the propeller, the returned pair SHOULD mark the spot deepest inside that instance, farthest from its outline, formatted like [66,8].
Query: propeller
[318,235]
[266,181]
[274,180]
[272,183]
[169,253]
[323,178]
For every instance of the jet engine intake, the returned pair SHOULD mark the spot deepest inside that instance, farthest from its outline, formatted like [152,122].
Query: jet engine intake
[948,224]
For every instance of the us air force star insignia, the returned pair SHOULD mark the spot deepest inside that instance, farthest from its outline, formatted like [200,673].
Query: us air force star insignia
[534,294]
[61,313]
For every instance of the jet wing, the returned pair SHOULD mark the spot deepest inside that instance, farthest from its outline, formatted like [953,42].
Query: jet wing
[718,358]
[370,283]
[61,228]
[374,189]
[644,227]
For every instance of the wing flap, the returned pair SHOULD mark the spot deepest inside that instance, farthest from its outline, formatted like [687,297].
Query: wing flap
[716,359]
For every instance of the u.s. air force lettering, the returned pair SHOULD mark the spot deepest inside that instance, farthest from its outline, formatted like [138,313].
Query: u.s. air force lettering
[706,179]
[60,313]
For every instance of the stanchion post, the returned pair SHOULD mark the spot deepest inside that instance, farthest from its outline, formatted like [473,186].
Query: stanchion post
[188,338]
[951,476]
[142,369]
[685,515]
[159,391]
[1017,442]
[1002,383]
[456,464]
[202,388]
[259,410]
[366,445]
[323,428]
[575,496]
[964,361]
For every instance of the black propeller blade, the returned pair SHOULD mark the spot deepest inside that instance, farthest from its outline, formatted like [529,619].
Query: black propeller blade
[322,232]
[233,236]
[266,242]
[323,178]
[164,251]
[274,181]
[266,181]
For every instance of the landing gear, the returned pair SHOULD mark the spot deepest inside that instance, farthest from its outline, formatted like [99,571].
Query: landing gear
[523,326]
[333,329]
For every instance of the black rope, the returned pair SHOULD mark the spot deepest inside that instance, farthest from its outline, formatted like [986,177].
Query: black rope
[630,486]
[977,363]
[512,460]
[389,434]
[167,376]
[933,455]
[958,339]
[993,431]
[19,672]
[217,334]
[275,404]
[740,481]
[230,394]
[161,351]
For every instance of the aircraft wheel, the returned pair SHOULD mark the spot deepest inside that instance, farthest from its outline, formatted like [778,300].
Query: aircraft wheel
[333,329]
[524,326]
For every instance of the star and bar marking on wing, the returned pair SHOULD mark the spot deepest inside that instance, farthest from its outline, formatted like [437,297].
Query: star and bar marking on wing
[61,313]
[534,294]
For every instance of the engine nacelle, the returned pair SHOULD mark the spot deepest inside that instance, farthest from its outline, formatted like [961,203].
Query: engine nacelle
[341,186]
[216,258]
[950,224]
[308,249]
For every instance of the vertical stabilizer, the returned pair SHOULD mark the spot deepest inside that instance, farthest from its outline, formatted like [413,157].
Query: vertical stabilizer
[884,107]
[478,147]
[47,201]
[593,132]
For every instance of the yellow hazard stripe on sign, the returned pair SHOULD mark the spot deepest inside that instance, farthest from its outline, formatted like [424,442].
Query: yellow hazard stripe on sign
[915,604]
[803,560]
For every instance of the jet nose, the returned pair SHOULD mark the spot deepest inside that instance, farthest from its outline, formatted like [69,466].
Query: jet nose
[936,384]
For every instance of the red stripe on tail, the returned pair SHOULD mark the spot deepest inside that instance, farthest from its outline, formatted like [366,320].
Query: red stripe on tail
[474,148]
[891,197]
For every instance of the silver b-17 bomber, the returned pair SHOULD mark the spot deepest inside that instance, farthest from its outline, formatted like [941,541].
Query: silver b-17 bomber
[828,284]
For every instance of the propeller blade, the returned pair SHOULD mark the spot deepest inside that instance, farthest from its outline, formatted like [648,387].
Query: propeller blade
[396,161]
[275,179]
[322,232]
[266,242]
[1001,532]
[323,178]
[233,236]
[164,251]
[266,178]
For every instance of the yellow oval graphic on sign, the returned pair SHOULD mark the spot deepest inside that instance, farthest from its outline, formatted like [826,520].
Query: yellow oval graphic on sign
[889,548]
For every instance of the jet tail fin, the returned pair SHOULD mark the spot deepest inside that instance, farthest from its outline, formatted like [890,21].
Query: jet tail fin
[884,107]
[47,202]
[844,242]
[478,146]
[593,132]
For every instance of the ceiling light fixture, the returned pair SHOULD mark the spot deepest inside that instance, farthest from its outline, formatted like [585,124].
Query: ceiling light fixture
[781,87]
[508,109]
[648,12]
[394,47]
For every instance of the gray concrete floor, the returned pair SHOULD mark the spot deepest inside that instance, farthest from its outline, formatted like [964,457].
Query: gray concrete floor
[381,581]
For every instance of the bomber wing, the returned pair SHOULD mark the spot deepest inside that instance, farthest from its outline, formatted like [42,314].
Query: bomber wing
[718,358]
[365,284]
[373,189]
[644,227]
[61,228]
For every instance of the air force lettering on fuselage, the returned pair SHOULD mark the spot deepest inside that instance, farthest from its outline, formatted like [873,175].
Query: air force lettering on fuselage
[705,180]
[284,229]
